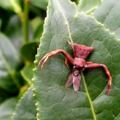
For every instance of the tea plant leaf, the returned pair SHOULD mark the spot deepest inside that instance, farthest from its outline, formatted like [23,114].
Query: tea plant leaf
[3,95]
[0,23]
[13,5]
[37,27]
[6,108]
[39,3]
[25,109]
[117,117]
[30,47]
[108,14]
[27,73]
[6,4]
[9,60]
[14,32]
[88,5]
[55,102]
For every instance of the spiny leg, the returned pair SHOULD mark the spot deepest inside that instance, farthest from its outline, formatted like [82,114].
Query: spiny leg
[52,53]
[109,78]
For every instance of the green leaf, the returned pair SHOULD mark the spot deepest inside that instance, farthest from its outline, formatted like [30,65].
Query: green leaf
[9,60]
[27,73]
[13,5]
[14,32]
[6,4]
[39,3]
[7,108]
[25,109]
[108,14]
[88,5]
[29,48]
[0,24]
[4,95]
[55,102]
[117,117]
[37,28]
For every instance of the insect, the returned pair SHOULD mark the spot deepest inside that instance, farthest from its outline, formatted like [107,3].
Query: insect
[79,64]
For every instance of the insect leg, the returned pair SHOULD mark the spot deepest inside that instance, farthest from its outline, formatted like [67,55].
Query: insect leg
[91,65]
[52,53]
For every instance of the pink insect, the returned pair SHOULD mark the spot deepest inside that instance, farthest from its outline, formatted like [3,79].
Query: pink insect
[79,64]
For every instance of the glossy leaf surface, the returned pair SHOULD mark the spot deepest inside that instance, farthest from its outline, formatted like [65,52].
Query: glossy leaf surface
[65,22]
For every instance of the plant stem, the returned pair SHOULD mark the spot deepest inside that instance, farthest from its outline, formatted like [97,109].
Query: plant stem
[25,21]
[23,16]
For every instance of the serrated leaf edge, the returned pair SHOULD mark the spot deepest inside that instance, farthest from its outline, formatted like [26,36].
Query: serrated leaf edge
[37,56]
[18,104]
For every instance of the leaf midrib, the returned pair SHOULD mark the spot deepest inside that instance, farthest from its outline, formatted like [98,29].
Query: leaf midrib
[88,96]
[66,21]
[85,85]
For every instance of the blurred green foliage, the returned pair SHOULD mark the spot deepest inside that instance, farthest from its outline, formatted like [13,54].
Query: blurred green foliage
[21,26]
